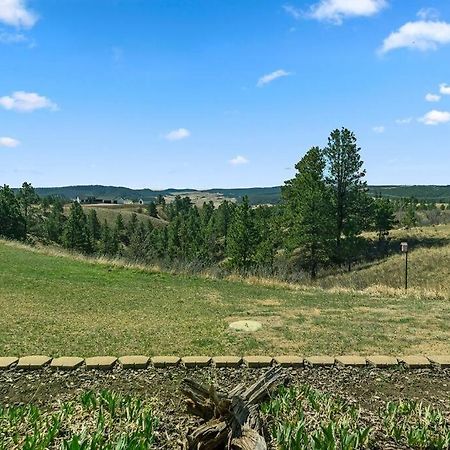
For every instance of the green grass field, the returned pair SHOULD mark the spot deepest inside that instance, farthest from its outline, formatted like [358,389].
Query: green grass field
[56,304]
[110,213]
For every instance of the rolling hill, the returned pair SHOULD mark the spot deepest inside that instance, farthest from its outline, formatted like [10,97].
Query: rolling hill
[257,195]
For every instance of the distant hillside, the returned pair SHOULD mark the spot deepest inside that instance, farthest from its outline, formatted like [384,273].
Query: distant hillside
[257,195]
[424,192]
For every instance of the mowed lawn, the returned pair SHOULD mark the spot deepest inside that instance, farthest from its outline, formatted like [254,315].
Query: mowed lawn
[58,305]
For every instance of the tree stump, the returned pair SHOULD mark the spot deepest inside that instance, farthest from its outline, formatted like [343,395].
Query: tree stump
[232,421]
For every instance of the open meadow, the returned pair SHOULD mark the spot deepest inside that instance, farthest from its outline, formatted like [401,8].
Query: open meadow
[57,304]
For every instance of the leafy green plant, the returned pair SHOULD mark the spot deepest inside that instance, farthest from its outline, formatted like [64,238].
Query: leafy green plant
[416,425]
[304,418]
[105,420]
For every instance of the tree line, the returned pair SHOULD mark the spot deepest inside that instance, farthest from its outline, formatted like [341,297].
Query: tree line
[319,224]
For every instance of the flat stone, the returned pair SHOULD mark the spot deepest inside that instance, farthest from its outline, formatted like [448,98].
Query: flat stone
[246,325]
[415,362]
[165,361]
[227,361]
[442,361]
[196,361]
[101,362]
[7,361]
[382,361]
[134,362]
[257,361]
[289,361]
[351,360]
[67,362]
[319,361]
[33,362]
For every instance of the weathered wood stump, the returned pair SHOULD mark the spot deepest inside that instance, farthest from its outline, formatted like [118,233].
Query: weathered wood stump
[232,421]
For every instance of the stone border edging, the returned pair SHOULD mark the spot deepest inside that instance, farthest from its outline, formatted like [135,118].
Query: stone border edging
[144,362]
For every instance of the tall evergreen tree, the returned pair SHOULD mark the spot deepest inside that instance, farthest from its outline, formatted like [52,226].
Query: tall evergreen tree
[345,177]
[409,219]
[383,217]
[55,222]
[94,225]
[119,229]
[27,197]
[136,250]
[309,212]
[12,221]
[76,232]
[242,237]
[152,211]
[109,242]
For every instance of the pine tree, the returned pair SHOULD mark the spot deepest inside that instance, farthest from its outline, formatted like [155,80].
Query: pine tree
[242,237]
[12,221]
[152,211]
[410,218]
[309,212]
[109,242]
[346,180]
[383,217]
[119,229]
[132,225]
[76,232]
[94,225]
[27,197]
[55,222]
[136,250]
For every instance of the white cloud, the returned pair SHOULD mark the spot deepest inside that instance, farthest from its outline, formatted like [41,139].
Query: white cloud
[404,121]
[444,89]
[26,102]
[239,160]
[16,13]
[421,35]
[379,129]
[266,79]
[12,38]
[428,14]
[293,11]
[9,142]
[337,10]
[432,97]
[435,117]
[177,135]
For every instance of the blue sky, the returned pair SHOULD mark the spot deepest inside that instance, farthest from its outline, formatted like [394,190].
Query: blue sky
[215,93]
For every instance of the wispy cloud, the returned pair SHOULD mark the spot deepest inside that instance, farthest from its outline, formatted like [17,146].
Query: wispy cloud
[266,79]
[428,14]
[26,102]
[12,38]
[404,121]
[9,142]
[432,98]
[16,13]
[379,129]
[239,160]
[293,11]
[177,135]
[336,11]
[435,117]
[421,35]
[444,89]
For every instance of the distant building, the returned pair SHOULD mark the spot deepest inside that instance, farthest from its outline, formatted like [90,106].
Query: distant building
[142,201]
[106,200]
